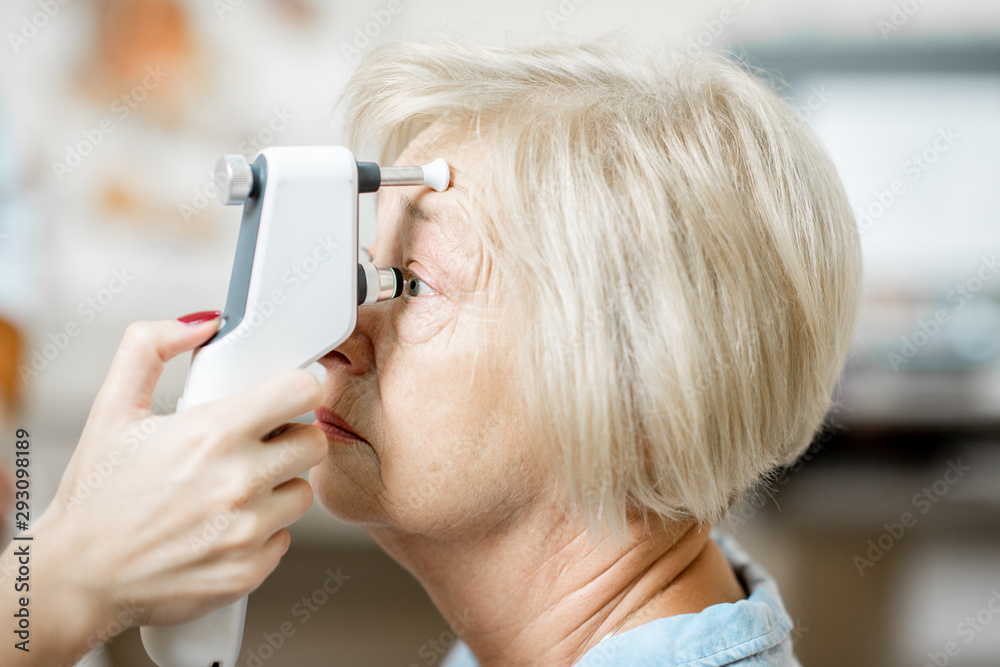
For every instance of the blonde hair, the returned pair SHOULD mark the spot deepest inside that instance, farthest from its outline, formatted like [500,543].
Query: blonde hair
[684,262]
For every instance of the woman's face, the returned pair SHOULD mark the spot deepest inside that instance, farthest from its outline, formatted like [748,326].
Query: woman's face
[424,379]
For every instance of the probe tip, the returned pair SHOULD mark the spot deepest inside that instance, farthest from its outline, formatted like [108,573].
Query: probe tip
[437,175]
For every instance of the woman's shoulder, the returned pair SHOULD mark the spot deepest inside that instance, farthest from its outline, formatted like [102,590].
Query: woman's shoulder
[756,631]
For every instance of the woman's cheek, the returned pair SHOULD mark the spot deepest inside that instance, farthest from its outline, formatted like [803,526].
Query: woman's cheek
[419,319]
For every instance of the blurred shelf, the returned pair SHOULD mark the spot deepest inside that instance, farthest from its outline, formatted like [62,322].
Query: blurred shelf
[967,401]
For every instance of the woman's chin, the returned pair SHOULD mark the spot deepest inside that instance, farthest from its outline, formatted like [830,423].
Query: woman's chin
[341,495]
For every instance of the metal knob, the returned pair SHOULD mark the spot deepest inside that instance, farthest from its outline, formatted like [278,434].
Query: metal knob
[234,179]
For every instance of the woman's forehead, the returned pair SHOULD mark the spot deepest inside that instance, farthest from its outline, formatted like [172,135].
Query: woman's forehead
[403,211]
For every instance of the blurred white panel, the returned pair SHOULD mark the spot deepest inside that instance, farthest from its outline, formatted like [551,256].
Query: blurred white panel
[918,157]
[949,606]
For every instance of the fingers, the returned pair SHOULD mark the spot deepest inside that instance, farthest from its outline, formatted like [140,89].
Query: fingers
[262,467]
[138,363]
[242,573]
[282,507]
[267,559]
[276,547]
[291,453]
[257,522]
[270,554]
[263,408]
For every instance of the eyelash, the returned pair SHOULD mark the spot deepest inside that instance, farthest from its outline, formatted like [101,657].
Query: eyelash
[412,281]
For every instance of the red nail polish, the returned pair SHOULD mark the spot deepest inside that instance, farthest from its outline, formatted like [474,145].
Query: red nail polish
[198,318]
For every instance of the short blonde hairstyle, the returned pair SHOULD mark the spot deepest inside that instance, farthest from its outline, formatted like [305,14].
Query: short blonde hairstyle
[684,264]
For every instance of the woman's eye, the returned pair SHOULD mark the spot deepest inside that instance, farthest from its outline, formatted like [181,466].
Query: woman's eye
[417,287]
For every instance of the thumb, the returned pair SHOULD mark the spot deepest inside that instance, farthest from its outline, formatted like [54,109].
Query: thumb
[145,347]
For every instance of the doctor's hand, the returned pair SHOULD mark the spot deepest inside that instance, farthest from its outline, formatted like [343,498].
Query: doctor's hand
[159,519]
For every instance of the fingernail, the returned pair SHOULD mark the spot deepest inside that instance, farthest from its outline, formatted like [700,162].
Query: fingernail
[198,318]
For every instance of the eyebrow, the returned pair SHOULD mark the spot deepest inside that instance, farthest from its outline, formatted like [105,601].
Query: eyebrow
[411,213]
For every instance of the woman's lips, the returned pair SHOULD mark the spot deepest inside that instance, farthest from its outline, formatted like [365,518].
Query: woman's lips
[335,426]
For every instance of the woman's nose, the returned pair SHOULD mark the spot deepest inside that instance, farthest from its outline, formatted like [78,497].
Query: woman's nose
[356,355]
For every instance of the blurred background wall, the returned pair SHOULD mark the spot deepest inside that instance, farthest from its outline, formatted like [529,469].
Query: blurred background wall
[885,538]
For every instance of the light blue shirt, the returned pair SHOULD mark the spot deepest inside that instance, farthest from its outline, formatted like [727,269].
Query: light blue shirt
[754,632]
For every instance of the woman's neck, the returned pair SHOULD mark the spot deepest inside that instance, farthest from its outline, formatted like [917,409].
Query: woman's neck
[543,592]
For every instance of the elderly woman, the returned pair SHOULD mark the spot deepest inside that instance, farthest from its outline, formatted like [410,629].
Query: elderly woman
[631,306]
